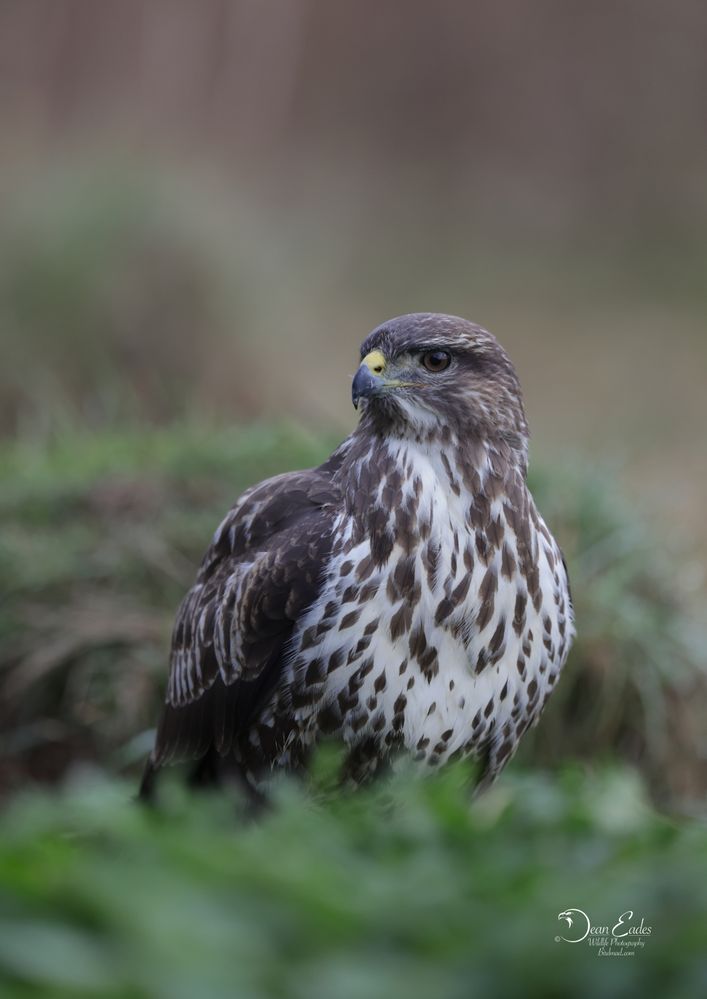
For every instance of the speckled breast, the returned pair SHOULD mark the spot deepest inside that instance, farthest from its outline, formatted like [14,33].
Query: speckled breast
[451,644]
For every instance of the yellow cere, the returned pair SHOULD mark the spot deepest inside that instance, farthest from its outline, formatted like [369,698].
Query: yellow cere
[375,362]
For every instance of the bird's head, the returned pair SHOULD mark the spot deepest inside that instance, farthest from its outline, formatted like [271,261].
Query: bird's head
[427,374]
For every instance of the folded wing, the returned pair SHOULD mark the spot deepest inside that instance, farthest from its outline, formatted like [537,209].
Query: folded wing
[264,568]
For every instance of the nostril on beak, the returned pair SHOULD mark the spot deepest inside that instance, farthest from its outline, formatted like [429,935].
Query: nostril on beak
[365,384]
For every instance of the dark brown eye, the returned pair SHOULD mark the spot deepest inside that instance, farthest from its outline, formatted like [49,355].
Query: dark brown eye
[436,360]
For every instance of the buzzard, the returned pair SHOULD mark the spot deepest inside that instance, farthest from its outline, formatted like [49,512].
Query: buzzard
[405,596]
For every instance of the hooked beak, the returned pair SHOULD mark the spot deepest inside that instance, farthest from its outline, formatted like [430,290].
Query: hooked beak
[365,384]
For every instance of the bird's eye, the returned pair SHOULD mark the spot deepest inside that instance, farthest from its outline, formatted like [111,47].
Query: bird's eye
[436,360]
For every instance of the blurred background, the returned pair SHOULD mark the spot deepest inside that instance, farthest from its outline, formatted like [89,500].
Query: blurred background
[205,208]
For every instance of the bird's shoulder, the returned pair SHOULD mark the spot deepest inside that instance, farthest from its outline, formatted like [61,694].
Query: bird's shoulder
[268,509]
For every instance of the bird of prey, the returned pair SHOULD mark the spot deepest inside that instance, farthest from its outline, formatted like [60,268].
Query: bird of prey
[405,596]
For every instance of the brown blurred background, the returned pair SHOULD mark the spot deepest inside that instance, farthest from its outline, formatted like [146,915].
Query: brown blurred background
[207,205]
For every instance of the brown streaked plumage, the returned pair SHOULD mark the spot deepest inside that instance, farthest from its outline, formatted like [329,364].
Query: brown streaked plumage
[405,595]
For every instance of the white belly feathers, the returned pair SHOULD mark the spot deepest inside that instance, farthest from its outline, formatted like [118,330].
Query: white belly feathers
[441,650]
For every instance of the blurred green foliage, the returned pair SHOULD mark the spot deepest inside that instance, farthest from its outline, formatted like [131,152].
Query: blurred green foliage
[404,891]
[636,682]
[115,299]
[100,536]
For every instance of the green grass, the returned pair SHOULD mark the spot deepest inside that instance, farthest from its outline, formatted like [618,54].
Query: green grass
[100,536]
[403,891]
[636,682]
